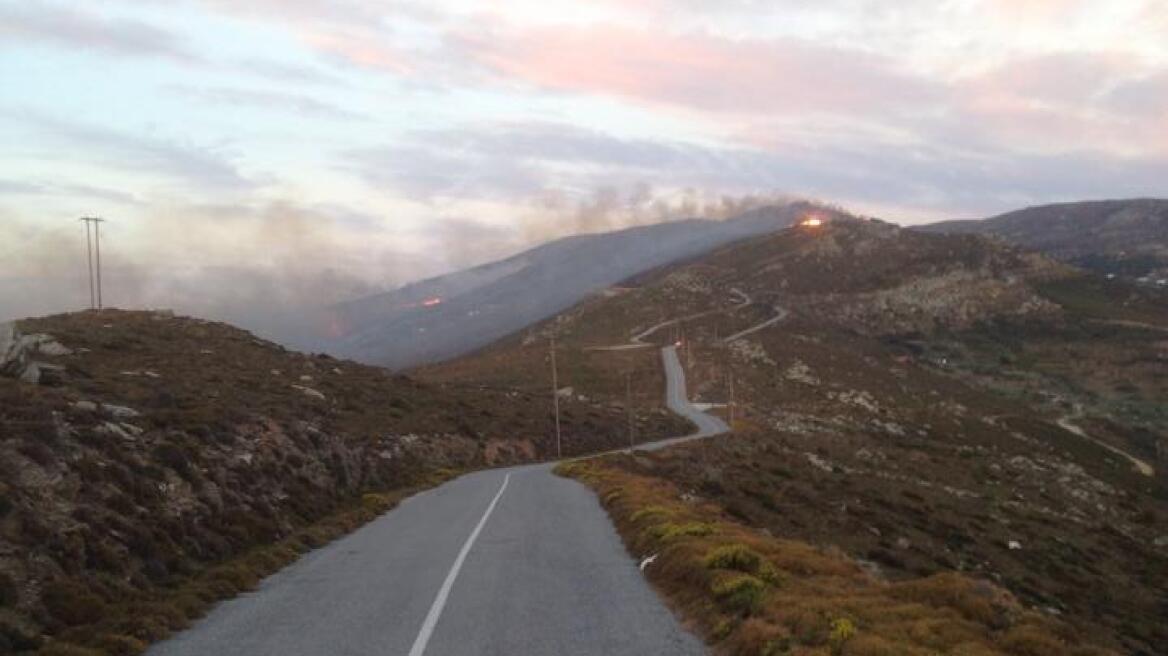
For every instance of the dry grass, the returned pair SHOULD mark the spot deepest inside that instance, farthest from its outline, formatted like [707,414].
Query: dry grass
[751,593]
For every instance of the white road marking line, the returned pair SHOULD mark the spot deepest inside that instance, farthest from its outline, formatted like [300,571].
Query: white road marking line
[440,601]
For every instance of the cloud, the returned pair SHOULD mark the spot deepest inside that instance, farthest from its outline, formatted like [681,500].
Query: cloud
[518,161]
[1143,96]
[569,175]
[198,166]
[270,100]
[57,188]
[78,28]
[700,71]
[425,172]
[277,70]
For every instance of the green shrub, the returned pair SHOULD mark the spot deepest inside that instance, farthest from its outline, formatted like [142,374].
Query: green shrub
[669,531]
[739,593]
[742,558]
[649,512]
[734,556]
[842,630]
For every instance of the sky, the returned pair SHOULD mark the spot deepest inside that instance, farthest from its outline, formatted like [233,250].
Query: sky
[277,154]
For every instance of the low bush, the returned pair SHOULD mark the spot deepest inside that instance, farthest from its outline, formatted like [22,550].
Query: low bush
[755,594]
[739,593]
[72,604]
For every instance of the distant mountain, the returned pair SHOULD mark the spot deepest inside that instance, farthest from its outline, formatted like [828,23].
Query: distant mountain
[447,316]
[1124,237]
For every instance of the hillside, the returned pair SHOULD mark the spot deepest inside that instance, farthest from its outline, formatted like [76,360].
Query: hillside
[1123,237]
[440,318]
[153,464]
[920,403]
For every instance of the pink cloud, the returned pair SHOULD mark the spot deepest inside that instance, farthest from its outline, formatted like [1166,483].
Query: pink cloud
[1065,101]
[360,50]
[1043,12]
[699,71]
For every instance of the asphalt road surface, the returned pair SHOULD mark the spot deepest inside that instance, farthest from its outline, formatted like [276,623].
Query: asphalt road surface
[499,562]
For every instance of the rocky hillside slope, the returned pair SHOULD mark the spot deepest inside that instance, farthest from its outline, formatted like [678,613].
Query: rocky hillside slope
[920,403]
[1122,237]
[142,455]
[440,318]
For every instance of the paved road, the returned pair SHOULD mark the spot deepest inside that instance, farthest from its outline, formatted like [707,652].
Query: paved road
[676,399]
[780,314]
[499,562]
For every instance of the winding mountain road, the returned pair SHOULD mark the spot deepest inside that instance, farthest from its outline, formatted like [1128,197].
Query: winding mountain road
[498,562]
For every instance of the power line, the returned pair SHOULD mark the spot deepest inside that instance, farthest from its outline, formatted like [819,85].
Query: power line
[89,264]
[92,246]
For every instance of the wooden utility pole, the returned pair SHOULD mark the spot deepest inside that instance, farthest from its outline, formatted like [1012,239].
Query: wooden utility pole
[556,398]
[731,404]
[629,406]
[89,264]
[93,246]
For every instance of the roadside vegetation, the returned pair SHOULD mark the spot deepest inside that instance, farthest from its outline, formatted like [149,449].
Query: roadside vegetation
[161,463]
[117,619]
[751,593]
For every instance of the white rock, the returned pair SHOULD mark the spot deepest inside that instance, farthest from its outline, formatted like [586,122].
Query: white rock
[308,391]
[31,374]
[119,411]
[117,430]
[1014,545]
[52,347]
[85,406]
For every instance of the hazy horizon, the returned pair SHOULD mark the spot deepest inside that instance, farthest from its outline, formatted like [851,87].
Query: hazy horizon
[255,159]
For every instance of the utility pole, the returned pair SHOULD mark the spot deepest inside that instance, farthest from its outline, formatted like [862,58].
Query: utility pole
[556,398]
[731,401]
[629,406]
[92,247]
[89,264]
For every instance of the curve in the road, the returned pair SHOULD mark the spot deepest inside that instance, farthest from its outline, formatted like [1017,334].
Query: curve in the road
[542,572]
[637,341]
[780,314]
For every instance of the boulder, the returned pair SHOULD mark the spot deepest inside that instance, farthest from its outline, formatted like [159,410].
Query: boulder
[16,351]
[31,374]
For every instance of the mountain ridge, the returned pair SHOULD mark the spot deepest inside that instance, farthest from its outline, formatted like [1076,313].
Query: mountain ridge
[1127,237]
[472,308]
